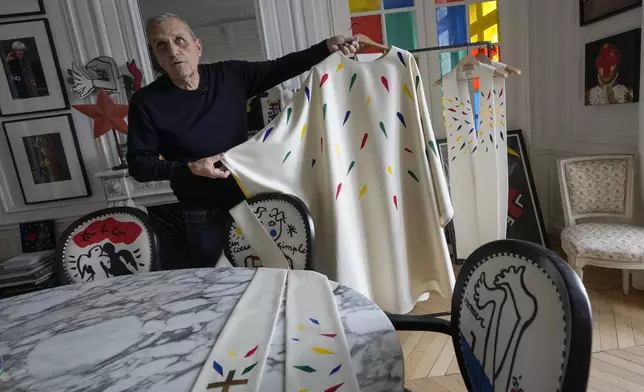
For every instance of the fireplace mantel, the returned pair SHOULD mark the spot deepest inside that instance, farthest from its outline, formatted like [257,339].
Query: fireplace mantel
[123,190]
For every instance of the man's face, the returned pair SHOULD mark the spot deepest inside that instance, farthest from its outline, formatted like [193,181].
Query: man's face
[175,49]
[20,53]
[607,63]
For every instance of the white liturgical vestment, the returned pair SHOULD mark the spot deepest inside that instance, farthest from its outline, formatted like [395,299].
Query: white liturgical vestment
[477,157]
[356,145]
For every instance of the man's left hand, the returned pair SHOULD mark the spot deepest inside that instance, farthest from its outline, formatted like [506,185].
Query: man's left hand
[348,45]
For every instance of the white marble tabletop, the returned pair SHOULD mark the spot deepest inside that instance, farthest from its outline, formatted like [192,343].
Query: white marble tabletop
[153,332]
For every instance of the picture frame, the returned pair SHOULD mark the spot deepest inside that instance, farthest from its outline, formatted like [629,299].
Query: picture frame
[47,158]
[31,80]
[14,9]
[612,69]
[591,11]
[525,220]
[37,236]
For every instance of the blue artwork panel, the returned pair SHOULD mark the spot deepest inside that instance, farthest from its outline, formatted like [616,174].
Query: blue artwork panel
[451,23]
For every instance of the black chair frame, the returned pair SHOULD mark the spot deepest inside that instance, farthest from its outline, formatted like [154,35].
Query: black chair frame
[573,294]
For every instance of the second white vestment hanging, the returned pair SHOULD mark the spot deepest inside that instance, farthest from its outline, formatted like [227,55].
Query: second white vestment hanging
[356,145]
[477,157]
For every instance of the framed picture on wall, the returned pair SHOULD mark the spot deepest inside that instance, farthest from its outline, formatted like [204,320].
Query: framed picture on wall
[525,221]
[591,11]
[12,9]
[30,78]
[613,69]
[47,158]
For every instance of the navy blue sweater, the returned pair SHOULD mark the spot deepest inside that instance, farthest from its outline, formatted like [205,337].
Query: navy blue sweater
[187,125]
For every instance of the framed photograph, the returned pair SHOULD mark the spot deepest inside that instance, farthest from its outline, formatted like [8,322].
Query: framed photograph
[12,9]
[47,158]
[525,221]
[37,236]
[613,69]
[591,11]
[30,78]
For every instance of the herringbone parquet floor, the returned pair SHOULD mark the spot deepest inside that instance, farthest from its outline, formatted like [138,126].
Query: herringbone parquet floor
[618,342]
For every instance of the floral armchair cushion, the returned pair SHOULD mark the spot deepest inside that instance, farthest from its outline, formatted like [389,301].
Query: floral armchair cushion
[597,186]
[605,241]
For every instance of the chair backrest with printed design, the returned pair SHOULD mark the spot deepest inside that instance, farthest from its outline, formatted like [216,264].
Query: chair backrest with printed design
[288,222]
[521,321]
[106,243]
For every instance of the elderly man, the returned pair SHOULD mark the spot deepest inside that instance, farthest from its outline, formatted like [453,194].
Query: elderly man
[27,79]
[192,115]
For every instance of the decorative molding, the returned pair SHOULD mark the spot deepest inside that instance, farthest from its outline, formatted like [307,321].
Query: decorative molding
[153,185]
[115,187]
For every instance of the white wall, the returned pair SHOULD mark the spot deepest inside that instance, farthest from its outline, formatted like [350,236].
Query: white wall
[82,30]
[228,28]
[561,125]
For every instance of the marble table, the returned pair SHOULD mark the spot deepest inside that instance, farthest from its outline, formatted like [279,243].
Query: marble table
[153,332]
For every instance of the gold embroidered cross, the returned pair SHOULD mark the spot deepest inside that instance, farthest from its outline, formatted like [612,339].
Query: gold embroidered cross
[229,382]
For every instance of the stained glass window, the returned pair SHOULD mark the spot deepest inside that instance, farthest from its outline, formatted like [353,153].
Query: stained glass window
[371,26]
[448,1]
[452,25]
[401,30]
[390,22]
[484,22]
[449,60]
[363,5]
[391,4]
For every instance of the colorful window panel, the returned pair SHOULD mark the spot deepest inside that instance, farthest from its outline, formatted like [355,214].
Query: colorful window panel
[401,30]
[484,22]
[461,23]
[363,5]
[371,26]
[451,23]
[390,22]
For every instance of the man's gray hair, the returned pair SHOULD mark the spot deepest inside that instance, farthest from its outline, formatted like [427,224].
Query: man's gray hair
[156,20]
[19,45]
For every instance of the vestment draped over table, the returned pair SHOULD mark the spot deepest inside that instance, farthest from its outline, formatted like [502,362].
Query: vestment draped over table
[356,145]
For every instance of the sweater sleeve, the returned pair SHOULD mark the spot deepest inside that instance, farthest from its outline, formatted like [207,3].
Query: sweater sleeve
[143,149]
[260,76]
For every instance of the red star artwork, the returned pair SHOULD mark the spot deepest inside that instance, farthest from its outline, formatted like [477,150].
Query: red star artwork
[106,114]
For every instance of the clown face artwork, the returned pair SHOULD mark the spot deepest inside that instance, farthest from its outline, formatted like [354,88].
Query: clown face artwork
[612,69]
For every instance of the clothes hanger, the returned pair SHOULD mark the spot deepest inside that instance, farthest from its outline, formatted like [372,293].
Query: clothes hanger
[486,60]
[468,63]
[366,41]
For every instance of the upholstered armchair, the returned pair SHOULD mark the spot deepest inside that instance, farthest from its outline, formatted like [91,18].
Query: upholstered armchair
[597,197]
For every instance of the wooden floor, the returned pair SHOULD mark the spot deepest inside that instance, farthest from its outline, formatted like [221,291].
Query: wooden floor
[618,342]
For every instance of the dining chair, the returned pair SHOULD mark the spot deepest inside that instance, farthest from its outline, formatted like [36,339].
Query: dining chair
[597,197]
[287,220]
[105,243]
[520,321]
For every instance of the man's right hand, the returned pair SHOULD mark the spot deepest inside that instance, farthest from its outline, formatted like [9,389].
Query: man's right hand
[205,167]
